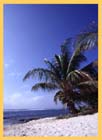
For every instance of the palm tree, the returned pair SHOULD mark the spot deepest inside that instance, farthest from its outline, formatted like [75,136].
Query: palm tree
[92,68]
[91,96]
[64,75]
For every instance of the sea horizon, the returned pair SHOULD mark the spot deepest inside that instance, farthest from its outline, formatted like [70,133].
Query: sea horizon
[22,115]
[33,109]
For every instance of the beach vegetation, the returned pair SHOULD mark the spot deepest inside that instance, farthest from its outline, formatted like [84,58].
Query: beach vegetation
[72,83]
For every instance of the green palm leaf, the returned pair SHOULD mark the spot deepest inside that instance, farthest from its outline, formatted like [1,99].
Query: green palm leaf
[58,60]
[83,42]
[42,74]
[62,62]
[88,86]
[52,67]
[88,40]
[44,86]
[88,37]
[76,60]
[58,96]
[89,93]
[78,76]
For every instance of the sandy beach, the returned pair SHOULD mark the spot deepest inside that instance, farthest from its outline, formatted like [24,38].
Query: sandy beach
[76,126]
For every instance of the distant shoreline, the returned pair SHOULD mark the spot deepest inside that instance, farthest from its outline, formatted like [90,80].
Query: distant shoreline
[23,116]
[6,110]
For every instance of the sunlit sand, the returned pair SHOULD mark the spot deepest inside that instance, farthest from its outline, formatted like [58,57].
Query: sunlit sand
[77,126]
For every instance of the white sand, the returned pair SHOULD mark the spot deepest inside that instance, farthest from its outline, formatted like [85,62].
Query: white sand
[77,126]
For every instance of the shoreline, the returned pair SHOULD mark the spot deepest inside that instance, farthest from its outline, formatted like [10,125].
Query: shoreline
[76,126]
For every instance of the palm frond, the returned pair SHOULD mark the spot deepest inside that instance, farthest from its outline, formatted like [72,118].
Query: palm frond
[58,96]
[78,76]
[92,69]
[84,41]
[52,67]
[88,86]
[87,40]
[89,92]
[58,61]
[76,59]
[61,97]
[66,48]
[45,86]
[91,27]
[62,65]
[41,73]
[88,37]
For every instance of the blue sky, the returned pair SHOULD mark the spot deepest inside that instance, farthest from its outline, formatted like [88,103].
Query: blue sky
[32,33]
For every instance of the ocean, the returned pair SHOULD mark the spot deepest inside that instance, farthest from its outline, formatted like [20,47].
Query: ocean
[22,116]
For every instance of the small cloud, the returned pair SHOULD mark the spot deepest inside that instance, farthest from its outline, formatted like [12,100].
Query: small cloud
[6,65]
[28,101]
[9,63]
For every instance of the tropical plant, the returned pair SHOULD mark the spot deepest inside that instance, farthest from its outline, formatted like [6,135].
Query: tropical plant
[64,75]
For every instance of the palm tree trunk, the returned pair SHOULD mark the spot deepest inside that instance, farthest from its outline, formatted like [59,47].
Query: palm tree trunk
[72,108]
